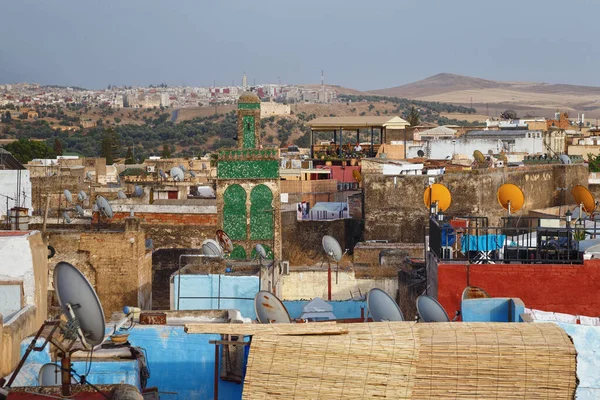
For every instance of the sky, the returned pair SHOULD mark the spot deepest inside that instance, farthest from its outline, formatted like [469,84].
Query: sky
[359,44]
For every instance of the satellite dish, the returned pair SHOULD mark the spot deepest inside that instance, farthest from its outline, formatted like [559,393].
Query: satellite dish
[50,375]
[210,248]
[82,196]
[182,167]
[225,241]
[269,309]
[421,153]
[584,198]
[68,196]
[138,191]
[95,208]
[104,207]
[88,176]
[177,174]
[67,217]
[261,253]
[430,310]
[79,210]
[162,174]
[332,248]
[382,307]
[565,159]
[437,194]
[193,174]
[511,197]
[478,156]
[356,175]
[121,194]
[474,292]
[78,301]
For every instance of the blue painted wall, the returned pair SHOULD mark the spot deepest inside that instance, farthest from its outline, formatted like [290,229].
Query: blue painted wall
[494,309]
[341,309]
[587,342]
[240,287]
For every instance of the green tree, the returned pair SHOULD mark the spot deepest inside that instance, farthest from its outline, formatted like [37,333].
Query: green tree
[109,146]
[413,117]
[6,117]
[129,157]
[58,147]
[26,150]
[166,152]
[371,107]
[117,120]
[594,162]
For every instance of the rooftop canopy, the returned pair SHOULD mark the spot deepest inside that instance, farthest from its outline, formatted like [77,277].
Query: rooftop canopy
[335,123]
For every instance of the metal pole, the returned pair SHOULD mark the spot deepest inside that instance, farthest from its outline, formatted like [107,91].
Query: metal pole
[312,144]
[329,280]
[372,144]
[341,140]
[216,382]
[46,214]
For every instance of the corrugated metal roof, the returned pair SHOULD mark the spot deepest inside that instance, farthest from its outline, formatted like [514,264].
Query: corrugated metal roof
[9,161]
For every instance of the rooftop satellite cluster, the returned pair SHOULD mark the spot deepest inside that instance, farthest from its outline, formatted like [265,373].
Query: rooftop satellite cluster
[70,199]
[83,323]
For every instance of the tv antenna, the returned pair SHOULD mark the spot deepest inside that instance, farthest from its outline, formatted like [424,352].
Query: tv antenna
[177,174]
[382,307]
[511,198]
[269,309]
[437,198]
[334,252]
[84,323]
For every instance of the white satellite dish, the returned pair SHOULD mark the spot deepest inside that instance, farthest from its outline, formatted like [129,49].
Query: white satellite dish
[177,174]
[138,191]
[82,196]
[261,253]
[269,309]
[565,159]
[68,196]
[332,248]
[67,217]
[50,375]
[79,210]
[382,307]
[104,207]
[79,303]
[121,194]
[162,174]
[210,248]
[430,310]
[182,167]
[193,174]
[88,176]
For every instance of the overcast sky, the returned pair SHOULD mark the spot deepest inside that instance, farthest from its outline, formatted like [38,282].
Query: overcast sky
[363,44]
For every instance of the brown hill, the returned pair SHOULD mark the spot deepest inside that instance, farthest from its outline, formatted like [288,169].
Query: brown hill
[437,84]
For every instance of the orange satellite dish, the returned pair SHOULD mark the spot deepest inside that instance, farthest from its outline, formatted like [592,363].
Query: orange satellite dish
[511,197]
[437,193]
[357,176]
[584,198]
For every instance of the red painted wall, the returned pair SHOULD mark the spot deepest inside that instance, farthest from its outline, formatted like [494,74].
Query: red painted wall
[343,174]
[572,289]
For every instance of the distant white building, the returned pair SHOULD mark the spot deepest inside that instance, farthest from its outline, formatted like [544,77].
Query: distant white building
[15,184]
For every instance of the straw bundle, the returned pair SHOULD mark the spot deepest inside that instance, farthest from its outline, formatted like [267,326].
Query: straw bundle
[403,360]
[322,328]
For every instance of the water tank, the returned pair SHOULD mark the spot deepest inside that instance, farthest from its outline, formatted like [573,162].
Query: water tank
[19,218]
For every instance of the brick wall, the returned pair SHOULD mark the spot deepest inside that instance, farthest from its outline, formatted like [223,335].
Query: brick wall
[171,218]
[571,289]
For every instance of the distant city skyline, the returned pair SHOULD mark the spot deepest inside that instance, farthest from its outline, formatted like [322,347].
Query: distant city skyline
[360,45]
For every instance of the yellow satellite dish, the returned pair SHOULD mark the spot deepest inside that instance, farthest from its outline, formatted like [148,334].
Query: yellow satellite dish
[511,197]
[357,176]
[437,193]
[584,198]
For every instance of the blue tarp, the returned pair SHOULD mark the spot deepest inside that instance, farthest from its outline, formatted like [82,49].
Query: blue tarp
[482,243]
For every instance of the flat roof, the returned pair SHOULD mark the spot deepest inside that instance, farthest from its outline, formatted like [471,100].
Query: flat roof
[353,122]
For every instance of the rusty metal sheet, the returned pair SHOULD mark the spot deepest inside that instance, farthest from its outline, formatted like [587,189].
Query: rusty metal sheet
[153,318]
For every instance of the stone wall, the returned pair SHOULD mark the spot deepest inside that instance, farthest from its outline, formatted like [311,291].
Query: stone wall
[396,212]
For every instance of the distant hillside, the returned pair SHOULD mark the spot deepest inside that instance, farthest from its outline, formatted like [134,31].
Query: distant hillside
[526,97]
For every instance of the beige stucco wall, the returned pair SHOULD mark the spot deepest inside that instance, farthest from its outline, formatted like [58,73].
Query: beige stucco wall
[306,285]
[268,109]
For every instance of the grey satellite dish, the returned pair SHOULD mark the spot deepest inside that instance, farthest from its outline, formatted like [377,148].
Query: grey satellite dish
[269,309]
[88,176]
[95,208]
[138,191]
[177,174]
[332,248]
[121,194]
[79,210]
[565,159]
[162,174]
[50,375]
[78,301]
[67,217]
[193,174]
[68,196]
[261,253]
[182,167]
[203,166]
[382,307]
[430,310]
[82,195]
[210,248]
[104,207]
